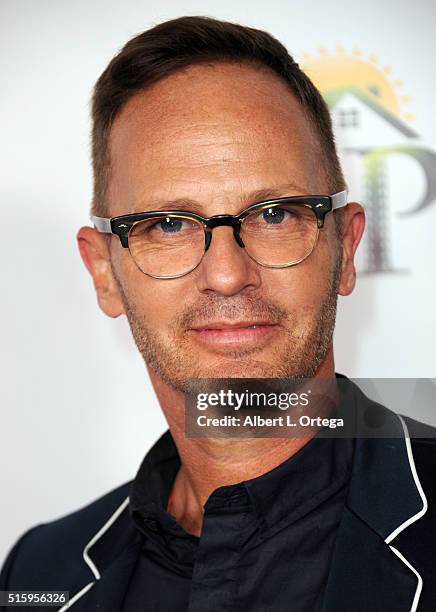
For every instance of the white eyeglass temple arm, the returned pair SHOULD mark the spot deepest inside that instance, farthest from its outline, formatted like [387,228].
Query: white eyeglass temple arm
[339,199]
[102,224]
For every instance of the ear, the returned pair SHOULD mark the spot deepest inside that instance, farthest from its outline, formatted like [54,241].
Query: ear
[94,250]
[353,225]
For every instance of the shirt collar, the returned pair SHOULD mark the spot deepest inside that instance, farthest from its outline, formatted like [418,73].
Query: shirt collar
[156,474]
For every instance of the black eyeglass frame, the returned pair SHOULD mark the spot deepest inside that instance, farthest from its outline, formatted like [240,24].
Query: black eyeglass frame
[121,225]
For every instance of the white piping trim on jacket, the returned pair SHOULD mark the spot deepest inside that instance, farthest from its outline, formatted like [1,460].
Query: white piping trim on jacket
[88,560]
[411,519]
[98,535]
[419,587]
[76,596]
[424,508]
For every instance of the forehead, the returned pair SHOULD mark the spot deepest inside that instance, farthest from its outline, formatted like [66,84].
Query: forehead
[210,130]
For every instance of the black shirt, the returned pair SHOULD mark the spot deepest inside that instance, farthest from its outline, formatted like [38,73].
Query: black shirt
[265,545]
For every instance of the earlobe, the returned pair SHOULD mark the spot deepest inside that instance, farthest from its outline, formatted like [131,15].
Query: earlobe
[353,228]
[96,257]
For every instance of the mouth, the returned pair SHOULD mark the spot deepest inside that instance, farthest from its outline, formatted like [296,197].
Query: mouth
[222,332]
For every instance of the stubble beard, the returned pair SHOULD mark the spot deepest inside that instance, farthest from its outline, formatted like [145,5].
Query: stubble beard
[297,357]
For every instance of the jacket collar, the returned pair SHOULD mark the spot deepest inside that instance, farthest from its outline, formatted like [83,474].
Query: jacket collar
[367,571]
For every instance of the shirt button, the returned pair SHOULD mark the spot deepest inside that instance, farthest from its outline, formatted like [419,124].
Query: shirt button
[151,524]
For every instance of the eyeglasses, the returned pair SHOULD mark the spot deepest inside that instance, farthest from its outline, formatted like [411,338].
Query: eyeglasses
[275,233]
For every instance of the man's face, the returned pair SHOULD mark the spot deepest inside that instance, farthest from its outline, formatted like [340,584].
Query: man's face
[214,137]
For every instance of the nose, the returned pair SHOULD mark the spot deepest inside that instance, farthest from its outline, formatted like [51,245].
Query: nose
[226,268]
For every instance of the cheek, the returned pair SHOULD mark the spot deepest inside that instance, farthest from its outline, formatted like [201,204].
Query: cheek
[321,263]
[300,288]
[155,301]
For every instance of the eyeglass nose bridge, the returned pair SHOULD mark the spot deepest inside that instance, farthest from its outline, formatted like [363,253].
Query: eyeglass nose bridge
[224,220]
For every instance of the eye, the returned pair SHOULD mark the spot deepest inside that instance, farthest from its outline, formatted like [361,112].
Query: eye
[168,225]
[275,215]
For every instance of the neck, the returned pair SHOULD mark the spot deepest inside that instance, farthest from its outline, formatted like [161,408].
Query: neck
[225,461]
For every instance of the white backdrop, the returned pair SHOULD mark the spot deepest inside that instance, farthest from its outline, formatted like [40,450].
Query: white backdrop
[70,431]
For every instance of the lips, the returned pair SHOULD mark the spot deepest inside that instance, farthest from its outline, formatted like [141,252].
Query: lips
[223,334]
[224,326]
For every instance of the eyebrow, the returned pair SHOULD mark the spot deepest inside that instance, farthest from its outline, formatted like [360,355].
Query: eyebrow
[259,195]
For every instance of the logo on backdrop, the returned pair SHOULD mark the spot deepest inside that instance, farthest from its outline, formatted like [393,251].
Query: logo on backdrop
[390,167]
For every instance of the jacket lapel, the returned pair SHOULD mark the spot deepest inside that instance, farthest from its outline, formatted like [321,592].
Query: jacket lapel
[108,592]
[111,556]
[368,572]
[365,573]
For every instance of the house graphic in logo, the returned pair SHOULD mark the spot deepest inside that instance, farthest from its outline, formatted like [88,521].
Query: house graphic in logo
[370,126]
[360,121]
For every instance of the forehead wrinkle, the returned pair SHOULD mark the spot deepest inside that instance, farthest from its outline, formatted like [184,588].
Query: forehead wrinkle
[199,147]
[220,141]
[245,200]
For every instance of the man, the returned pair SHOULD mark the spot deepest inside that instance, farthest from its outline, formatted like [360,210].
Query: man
[193,120]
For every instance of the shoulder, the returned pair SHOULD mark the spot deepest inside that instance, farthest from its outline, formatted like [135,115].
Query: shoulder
[59,543]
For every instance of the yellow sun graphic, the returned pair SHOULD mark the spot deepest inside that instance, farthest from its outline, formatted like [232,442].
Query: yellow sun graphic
[341,70]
